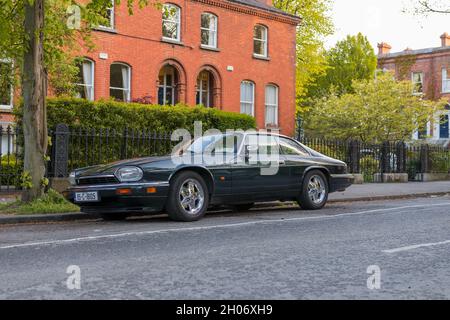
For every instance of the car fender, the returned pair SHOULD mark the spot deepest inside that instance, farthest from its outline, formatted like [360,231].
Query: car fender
[321,168]
[199,169]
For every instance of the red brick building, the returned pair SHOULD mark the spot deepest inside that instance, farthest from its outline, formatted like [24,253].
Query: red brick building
[232,55]
[429,70]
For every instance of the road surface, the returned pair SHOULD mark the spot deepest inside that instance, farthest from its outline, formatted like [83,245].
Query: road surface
[285,253]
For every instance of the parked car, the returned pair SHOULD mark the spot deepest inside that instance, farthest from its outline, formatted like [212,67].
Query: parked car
[236,169]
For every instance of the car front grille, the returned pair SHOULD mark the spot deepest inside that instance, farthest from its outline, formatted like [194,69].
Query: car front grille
[97,180]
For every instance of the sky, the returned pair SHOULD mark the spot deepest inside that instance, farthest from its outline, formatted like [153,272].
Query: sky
[384,21]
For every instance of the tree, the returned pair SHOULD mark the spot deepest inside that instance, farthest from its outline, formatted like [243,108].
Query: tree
[351,59]
[432,6]
[36,37]
[381,109]
[316,24]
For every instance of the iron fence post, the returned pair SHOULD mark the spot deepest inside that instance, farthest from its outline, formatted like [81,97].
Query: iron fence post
[424,159]
[123,151]
[354,160]
[60,151]
[401,157]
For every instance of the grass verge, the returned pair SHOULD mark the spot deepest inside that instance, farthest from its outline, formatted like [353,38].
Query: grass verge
[51,202]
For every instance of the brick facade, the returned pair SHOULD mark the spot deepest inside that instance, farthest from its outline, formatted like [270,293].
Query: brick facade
[431,64]
[137,41]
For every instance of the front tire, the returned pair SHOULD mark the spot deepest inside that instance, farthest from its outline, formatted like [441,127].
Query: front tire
[188,197]
[314,193]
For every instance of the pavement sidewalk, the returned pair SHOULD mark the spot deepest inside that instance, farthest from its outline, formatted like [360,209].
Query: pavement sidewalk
[364,192]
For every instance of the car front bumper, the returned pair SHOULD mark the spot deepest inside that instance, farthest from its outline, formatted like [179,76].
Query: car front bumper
[138,200]
[340,182]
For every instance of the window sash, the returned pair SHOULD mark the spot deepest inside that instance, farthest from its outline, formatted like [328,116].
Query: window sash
[417,81]
[171,23]
[210,31]
[87,86]
[10,88]
[111,12]
[126,82]
[260,40]
[271,117]
[248,98]
[445,81]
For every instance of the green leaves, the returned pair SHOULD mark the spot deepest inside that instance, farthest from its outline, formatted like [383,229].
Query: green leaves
[377,110]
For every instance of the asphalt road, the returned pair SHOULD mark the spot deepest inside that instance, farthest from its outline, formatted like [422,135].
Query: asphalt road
[265,254]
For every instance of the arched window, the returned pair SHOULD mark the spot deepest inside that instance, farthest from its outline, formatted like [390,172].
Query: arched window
[209,30]
[171,22]
[120,81]
[272,106]
[260,41]
[205,86]
[167,88]
[248,98]
[85,83]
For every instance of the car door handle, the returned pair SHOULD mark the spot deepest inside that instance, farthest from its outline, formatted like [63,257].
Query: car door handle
[281,162]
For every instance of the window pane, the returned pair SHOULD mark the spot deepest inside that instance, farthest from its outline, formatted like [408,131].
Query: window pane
[271,95]
[259,47]
[170,30]
[259,32]
[291,148]
[118,94]
[206,21]
[171,13]
[206,38]
[5,83]
[116,78]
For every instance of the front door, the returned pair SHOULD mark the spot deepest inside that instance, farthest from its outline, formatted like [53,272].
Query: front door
[263,173]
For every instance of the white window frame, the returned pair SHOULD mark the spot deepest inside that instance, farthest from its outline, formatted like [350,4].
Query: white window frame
[414,82]
[264,41]
[10,105]
[445,81]
[165,86]
[92,86]
[252,103]
[212,30]
[128,91]
[201,92]
[112,10]
[177,22]
[270,105]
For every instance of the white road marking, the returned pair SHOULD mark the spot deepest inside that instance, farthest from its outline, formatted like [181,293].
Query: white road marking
[416,246]
[232,225]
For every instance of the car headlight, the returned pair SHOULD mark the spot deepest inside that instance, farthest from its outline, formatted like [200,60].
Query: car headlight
[72,179]
[129,174]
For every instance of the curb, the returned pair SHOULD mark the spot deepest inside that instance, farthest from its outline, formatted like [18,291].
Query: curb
[64,217]
[58,217]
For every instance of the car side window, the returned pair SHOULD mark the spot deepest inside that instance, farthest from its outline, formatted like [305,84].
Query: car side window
[263,145]
[289,147]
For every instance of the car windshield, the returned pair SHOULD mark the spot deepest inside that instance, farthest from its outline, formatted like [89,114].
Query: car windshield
[219,143]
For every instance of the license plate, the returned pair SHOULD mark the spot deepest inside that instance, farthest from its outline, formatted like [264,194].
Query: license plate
[86,196]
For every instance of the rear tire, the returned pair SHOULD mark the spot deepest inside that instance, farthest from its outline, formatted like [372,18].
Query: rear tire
[314,193]
[188,197]
[243,207]
[114,216]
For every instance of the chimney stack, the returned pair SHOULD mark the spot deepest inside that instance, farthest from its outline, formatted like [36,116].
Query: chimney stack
[445,38]
[384,48]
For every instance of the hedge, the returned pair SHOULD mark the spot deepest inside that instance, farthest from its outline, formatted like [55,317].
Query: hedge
[112,114]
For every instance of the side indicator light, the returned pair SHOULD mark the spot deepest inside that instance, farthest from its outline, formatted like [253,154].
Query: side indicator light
[123,192]
[151,190]
[222,178]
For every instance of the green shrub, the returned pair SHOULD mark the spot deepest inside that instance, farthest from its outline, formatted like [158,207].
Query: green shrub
[369,166]
[156,118]
[440,161]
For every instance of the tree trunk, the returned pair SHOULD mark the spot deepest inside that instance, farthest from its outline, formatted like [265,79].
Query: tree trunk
[34,87]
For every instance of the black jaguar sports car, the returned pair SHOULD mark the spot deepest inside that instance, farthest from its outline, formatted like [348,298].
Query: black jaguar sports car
[236,169]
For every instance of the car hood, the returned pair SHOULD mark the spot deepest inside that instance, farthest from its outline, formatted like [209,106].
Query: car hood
[110,168]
